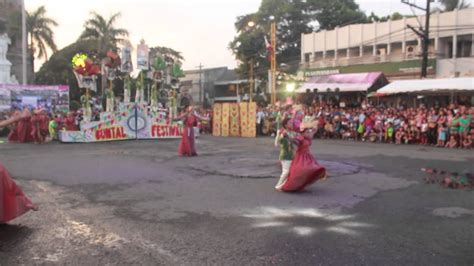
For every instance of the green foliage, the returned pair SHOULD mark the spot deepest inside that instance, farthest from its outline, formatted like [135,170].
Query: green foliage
[159,63]
[450,5]
[166,53]
[40,32]
[394,16]
[177,71]
[293,17]
[104,32]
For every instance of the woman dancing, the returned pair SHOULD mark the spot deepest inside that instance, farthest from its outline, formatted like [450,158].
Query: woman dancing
[190,119]
[304,169]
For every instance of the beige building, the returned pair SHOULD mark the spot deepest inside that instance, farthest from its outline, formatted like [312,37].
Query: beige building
[393,48]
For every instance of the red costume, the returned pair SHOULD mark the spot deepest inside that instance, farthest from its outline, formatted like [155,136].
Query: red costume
[304,169]
[13,202]
[186,146]
[22,131]
[70,122]
[39,127]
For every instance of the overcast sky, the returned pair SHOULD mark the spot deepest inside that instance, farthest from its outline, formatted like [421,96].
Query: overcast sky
[200,29]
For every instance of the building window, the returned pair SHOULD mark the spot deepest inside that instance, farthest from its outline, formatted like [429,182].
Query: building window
[464,48]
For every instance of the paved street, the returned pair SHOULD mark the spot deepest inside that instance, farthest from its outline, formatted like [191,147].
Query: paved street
[137,202]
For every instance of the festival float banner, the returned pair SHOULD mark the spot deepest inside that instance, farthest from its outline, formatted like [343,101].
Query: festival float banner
[234,120]
[217,119]
[112,127]
[142,56]
[225,119]
[126,64]
[252,120]
[131,121]
[152,123]
[244,119]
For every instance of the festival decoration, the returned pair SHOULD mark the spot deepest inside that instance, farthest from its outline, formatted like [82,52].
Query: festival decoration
[127,88]
[142,56]
[217,118]
[140,88]
[225,119]
[111,65]
[86,74]
[126,63]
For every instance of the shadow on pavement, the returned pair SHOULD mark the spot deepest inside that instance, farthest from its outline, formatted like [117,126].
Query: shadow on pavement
[11,236]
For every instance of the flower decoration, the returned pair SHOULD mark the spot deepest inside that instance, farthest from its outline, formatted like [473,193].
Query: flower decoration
[84,66]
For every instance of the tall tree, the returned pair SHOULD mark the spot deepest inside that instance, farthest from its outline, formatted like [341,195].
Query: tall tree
[104,32]
[40,34]
[293,17]
[450,5]
[167,53]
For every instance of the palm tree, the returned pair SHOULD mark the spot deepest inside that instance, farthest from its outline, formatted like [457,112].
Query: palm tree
[450,5]
[41,36]
[104,32]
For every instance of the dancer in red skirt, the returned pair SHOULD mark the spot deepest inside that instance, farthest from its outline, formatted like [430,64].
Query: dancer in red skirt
[190,119]
[304,169]
[21,132]
[39,126]
[13,203]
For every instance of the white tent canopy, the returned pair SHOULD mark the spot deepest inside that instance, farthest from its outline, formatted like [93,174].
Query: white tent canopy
[428,85]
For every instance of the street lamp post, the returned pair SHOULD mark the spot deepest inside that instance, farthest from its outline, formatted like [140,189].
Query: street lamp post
[273,62]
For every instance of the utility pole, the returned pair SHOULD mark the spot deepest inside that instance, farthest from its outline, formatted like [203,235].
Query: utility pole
[273,62]
[200,83]
[424,34]
[24,39]
[252,81]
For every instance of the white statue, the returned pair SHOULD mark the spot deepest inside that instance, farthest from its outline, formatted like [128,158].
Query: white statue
[5,65]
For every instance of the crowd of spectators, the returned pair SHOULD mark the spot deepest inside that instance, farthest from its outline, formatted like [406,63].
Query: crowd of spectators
[450,127]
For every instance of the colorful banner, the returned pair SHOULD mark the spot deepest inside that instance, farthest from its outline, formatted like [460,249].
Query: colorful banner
[154,124]
[216,119]
[142,56]
[225,119]
[51,98]
[244,119]
[234,120]
[252,129]
[131,121]
[114,126]
[126,65]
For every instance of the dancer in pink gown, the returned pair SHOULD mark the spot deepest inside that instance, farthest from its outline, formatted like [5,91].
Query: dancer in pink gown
[13,202]
[304,169]
[190,119]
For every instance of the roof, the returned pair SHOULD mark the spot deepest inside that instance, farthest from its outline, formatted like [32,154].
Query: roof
[428,85]
[344,82]
[229,82]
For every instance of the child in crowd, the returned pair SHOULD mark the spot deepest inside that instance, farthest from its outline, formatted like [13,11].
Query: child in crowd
[467,142]
[389,133]
[424,131]
[399,136]
[452,143]
[442,131]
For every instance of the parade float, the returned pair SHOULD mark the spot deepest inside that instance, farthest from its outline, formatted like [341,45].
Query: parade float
[128,120]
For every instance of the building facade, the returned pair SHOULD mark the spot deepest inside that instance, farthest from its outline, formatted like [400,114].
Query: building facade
[393,48]
[200,84]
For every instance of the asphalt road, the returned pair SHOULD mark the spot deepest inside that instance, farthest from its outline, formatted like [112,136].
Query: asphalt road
[137,202]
